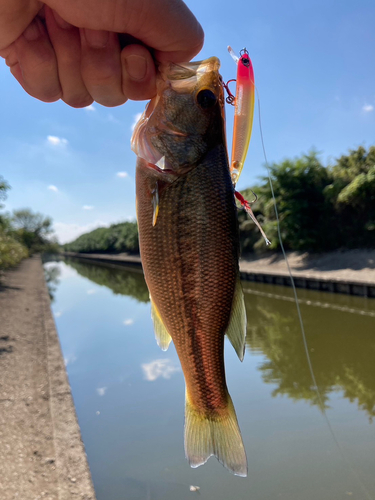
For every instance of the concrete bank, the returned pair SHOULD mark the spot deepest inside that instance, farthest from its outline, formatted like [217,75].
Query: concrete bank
[351,272]
[41,452]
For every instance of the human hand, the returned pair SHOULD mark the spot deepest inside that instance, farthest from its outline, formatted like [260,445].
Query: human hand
[70,49]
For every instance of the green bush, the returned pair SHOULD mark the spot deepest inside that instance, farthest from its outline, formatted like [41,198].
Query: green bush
[11,251]
[320,208]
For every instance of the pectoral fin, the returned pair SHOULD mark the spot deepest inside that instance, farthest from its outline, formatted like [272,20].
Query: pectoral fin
[162,336]
[236,331]
[155,204]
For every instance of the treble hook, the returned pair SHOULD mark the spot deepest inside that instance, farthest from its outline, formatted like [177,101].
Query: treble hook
[255,195]
[231,98]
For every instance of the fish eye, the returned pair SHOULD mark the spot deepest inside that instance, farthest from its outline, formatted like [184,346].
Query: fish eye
[206,99]
[246,61]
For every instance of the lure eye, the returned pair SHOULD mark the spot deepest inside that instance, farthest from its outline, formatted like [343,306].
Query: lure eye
[206,99]
[246,61]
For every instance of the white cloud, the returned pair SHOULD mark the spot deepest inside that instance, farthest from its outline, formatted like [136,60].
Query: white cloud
[69,232]
[87,207]
[112,119]
[122,174]
[70,359]
[194,488]
[367,108]
[58,314]
[91,291]
[135,120]
[128,322]
[90,108]
[159,368]
[101,391]
[57,141]
[52,188]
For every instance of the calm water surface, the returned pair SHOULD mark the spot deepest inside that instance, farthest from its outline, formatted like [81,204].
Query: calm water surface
[129,395]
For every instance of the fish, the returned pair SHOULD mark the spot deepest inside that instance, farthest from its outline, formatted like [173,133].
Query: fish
[189,246]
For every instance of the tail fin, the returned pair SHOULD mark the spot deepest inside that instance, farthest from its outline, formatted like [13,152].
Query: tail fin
[219,436]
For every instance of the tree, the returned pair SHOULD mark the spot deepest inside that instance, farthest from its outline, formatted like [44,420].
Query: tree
[32,229]
[354,191]
[305,213]
[11,251]
[32,222]
[4,186]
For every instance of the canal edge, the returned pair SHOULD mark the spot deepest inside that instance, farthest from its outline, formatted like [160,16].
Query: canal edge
[73,472]
[308,282]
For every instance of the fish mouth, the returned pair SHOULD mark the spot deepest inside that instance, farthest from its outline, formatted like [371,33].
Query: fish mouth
[184,77]
[181,78]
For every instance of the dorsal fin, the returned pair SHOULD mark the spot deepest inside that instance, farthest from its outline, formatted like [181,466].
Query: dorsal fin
[162,336]
[236,331]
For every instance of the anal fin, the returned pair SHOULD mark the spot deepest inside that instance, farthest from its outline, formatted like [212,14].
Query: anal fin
[162,336]
[236,331]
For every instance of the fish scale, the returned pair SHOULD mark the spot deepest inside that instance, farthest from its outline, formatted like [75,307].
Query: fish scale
[196,234]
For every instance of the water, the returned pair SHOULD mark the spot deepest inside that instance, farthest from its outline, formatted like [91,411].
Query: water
[129,395]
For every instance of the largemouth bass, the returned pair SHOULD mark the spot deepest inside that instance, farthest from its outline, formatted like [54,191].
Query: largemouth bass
[189,244]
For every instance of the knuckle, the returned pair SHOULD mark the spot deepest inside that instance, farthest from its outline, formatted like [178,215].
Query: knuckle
[78,101]
[110,101]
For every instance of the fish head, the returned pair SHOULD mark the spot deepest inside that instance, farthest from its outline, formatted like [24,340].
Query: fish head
[186,118]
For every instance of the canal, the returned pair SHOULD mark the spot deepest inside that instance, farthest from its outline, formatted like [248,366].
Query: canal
[129,395]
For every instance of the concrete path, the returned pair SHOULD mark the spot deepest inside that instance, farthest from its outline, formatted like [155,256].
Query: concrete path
[41,452]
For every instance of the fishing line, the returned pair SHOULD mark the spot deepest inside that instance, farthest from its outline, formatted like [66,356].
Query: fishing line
[321,404]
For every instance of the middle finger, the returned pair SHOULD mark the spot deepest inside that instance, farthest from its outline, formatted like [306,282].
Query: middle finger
[101,66]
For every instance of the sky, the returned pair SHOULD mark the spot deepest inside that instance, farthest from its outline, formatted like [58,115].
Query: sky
[314,65]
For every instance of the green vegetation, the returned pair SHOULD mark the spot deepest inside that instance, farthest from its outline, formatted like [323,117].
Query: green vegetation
[22,233]
[33,230]
[114,239]
[320,208]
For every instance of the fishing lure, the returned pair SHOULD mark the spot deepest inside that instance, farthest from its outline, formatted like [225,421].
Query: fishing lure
[244,102]
[244,112]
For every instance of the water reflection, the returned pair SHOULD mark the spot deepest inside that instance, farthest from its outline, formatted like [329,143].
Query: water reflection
[120,281]
[341,345]
[129,394]
[159,368]
[51,275]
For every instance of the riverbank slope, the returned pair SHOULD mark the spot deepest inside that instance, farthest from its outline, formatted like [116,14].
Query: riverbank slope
[41,451]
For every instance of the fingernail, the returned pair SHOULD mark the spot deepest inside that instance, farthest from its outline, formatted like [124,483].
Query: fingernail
[11,60]
[136,67]
[32,32]
[97,39]
[61,22]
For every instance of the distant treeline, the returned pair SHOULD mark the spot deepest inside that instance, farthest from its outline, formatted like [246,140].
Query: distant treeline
[117,238]
[320,209]
[23,233]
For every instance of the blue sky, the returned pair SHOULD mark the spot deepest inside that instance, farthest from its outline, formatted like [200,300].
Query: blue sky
[315,72]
